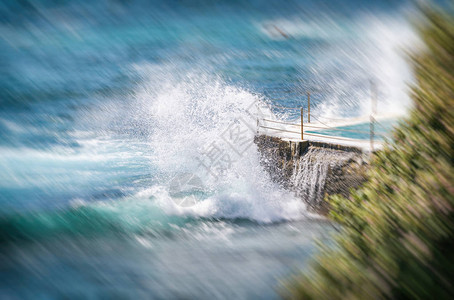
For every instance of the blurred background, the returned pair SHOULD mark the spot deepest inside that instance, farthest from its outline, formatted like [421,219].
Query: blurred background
[103,102]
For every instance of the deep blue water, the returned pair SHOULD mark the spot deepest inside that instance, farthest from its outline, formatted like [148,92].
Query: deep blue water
[103,103]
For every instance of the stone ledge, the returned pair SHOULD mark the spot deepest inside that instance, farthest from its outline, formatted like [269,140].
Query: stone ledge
[335,168]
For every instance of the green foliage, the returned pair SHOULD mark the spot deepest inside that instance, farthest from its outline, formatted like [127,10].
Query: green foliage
[397,240]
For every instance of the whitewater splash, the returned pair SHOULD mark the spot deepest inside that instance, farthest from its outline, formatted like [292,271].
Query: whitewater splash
[203,126]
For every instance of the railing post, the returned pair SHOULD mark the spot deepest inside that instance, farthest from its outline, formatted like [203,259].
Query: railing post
[373,92]
[372,133]
[308,107]
[302,136]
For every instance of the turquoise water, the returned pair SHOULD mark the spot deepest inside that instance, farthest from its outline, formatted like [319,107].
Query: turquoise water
[104,105]
[362,131]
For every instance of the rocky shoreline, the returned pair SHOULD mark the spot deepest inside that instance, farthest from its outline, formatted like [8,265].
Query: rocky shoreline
[313,169]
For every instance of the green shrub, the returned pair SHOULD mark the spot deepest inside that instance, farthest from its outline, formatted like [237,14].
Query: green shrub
[397,237]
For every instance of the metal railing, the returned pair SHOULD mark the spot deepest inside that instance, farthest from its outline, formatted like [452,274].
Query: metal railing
[320,125]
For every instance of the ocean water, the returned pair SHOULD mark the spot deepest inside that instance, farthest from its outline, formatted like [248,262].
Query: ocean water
[123,174]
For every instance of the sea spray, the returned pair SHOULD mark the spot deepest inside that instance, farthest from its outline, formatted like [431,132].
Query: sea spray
[373,53]
[203,126]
